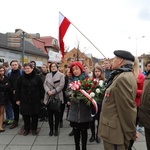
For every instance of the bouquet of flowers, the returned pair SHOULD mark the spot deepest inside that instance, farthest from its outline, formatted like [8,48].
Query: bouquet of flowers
[87,89]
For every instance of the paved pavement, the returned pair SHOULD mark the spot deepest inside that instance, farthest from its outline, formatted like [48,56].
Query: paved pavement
[12,139]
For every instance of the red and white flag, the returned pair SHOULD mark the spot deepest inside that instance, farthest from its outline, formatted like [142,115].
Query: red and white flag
[63,26]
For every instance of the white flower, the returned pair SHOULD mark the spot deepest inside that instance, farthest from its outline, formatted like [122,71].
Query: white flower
[97,90]
[92,94]
[101,82]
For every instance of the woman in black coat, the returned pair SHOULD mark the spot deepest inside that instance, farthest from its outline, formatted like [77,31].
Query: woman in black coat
[4,95]
[29,92]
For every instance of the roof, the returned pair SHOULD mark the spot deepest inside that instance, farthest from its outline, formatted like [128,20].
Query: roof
[29,48]
[39,44]
[47,40]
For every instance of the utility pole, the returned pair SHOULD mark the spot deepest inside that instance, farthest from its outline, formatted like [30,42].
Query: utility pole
[23,35]
[136,39]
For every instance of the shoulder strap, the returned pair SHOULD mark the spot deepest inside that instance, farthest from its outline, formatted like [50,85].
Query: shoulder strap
[9,74]
[20,72]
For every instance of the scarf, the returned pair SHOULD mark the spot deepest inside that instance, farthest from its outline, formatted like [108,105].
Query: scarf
[81,77]
[124,68]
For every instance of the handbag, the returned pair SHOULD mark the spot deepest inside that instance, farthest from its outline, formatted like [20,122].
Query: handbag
[54,104]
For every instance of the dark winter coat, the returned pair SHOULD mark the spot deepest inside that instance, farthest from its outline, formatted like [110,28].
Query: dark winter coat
[144,108]
[13,77]
[4,90]
[43,76]
[79,112]
[29,92]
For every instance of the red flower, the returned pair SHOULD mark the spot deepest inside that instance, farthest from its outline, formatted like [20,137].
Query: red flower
[95,82]
[89,91]
[86,84]
[93,86]
[86,78]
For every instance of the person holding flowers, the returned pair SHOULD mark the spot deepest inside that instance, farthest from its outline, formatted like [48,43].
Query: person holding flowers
[98,74]
[79,112]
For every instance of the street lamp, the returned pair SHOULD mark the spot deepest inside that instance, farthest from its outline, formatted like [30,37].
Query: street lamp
[136,38]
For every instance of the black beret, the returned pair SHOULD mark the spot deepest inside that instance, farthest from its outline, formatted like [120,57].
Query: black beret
[124,54]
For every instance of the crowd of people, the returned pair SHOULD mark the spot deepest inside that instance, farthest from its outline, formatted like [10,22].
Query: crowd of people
[123,107]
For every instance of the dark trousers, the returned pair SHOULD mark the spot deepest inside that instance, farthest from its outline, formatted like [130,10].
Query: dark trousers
[51,115]
[92,126]
[62,112]
[80,133]
[68,107]
[147,137]
[15,110]
[30,122]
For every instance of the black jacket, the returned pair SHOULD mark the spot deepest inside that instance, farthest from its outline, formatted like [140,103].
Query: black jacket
[13,77]
[29,92]
[4,90]
[144,108]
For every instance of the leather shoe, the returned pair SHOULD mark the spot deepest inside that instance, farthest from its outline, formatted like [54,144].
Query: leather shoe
[50,133]
[98,140]
[71,133]
[92,139]
[34,132]
[2,130]
[56,133]
[14,125]
[26,132]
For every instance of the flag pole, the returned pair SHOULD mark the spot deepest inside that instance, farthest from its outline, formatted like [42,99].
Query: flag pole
[88,40]
[86,37]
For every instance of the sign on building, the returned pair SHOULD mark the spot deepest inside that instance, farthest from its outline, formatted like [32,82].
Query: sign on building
[14,39]
[54,56]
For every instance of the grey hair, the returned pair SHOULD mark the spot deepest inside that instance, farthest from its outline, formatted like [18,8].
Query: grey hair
[135,66]
[128,62]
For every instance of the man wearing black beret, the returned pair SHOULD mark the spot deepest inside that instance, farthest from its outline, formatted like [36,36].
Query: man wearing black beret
[124,54]
[118,115]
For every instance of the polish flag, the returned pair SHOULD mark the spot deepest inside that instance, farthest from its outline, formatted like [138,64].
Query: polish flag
[63,26]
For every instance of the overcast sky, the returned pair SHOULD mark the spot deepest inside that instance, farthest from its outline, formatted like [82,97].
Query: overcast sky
[106,23]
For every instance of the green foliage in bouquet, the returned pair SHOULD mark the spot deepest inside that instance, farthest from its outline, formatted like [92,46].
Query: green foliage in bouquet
[94,88]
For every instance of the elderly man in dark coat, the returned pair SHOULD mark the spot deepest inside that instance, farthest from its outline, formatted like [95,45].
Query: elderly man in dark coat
[118,115]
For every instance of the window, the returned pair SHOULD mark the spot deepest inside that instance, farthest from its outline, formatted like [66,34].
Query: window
[1,60]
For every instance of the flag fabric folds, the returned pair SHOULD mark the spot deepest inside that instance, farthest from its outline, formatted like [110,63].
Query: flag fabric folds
[63,26]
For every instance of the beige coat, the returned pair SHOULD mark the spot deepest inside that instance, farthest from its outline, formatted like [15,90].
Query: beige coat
[54,83]
[118,114]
